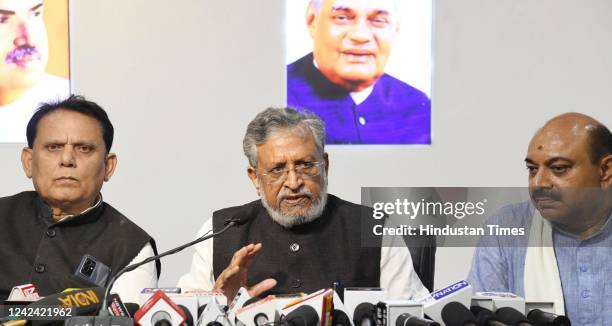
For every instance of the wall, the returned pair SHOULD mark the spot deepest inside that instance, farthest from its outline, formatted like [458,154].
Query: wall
[181,79]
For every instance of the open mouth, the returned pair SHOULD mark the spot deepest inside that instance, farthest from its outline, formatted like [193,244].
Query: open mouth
[23,55]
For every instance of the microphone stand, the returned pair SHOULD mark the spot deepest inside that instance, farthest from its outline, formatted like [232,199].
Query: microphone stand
[228,224]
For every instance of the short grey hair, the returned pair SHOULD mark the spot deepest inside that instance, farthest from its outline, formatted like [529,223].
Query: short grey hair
[273,120]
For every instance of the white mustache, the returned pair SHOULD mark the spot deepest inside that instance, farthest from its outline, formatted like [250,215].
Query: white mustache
[287,193]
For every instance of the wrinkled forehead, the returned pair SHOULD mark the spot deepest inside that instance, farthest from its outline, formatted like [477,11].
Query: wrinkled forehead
[369,6]
[20,6]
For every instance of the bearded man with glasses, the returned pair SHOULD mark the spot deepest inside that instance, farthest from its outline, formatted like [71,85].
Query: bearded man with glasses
[297,238]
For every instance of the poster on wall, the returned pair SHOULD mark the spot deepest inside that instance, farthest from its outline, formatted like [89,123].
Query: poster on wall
[34,61]
[363,66]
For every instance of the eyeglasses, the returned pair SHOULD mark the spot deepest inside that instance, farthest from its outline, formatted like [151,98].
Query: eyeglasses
[303,170]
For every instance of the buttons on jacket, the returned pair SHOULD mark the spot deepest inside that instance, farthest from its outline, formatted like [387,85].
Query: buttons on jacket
[40,268]
[51,233]
[295,247]
[296,283]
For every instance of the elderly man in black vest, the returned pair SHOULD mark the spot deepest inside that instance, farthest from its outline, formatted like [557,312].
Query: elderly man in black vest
[297,238]
[53,237]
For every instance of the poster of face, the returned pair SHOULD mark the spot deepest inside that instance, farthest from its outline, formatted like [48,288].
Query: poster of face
[34,61]
[363,66]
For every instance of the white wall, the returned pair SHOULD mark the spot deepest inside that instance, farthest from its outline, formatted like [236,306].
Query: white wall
[181,79]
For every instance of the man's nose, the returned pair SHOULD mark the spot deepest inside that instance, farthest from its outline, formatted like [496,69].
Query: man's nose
[67,158]
[23,35]
[294,180]
[360,32]
[541,179]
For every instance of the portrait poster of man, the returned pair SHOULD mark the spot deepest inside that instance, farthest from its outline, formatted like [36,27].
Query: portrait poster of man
[34,61]
[363,66]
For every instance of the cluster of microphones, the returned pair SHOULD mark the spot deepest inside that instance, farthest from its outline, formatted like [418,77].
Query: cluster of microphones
[455,305]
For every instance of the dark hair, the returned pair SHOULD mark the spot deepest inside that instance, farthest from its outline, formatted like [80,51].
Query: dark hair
[601,142]
[74,103]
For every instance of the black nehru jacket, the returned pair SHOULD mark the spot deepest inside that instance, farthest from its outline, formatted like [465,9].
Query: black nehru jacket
[304,258]
[36,249]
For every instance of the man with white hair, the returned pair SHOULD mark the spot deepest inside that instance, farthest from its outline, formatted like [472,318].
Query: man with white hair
[343,79]
[297,237]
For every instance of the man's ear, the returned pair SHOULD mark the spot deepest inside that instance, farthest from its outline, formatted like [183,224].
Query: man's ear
[310,19]
[606,171]
[252,173]
[26,161]
[111,164]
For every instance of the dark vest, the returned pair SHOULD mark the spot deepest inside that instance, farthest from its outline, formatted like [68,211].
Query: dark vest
[304,258]
[36,249]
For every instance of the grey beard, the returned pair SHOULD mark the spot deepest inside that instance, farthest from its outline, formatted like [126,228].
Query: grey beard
[288,221]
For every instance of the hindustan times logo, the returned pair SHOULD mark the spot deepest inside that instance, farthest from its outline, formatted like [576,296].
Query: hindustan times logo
[413,209]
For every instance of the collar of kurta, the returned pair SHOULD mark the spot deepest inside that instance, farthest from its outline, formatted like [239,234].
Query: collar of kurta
[89,215]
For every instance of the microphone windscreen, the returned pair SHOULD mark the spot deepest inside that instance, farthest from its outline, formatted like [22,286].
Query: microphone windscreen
[456,314]
[511,316]
[131,308]
[407,319]
[539,317]
[339,318]
[364,311]
[86,301]
[302,316]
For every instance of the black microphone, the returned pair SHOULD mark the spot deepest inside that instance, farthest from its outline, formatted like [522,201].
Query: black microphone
[456,314]
[365,314]
[407,319]
[229,223]
[85,301]
[485,317]
[303,315]
[512,317]
[131,308]
[339,318]
[541,318]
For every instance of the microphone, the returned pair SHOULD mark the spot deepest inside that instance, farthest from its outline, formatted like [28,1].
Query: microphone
[303,315]
[434,303]
[84,301]
[485,317]
[541,318]
[407,319]
[340,318]
[131,308]
[258,313]
[159,310]
[229,223]
[365,314]
[512,317]
[456,314]
[23,293]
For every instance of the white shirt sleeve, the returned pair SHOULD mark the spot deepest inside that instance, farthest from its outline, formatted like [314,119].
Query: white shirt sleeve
[129,285]
[200,275]
[397,275]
